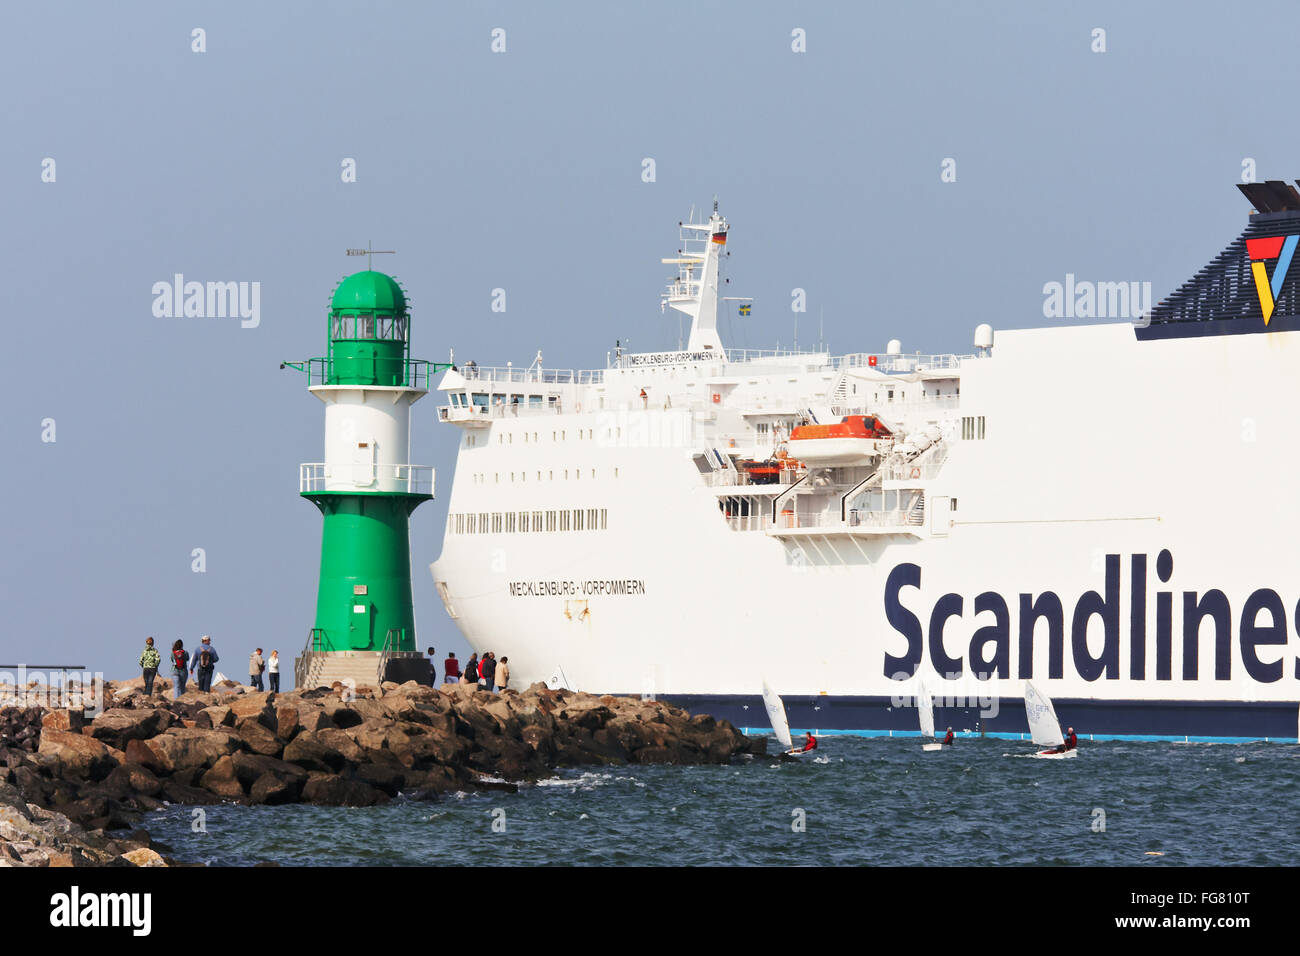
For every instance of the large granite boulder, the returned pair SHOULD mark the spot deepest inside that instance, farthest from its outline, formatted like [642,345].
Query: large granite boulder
[78,754]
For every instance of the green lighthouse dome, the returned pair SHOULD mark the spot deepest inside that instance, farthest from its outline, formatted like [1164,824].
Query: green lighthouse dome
[369,328]
[369,292]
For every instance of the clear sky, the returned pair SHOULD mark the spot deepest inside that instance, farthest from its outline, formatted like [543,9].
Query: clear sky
[523,170]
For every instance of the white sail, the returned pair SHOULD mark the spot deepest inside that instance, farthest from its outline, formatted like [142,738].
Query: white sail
[776,714]
[924,708]
[1043,725]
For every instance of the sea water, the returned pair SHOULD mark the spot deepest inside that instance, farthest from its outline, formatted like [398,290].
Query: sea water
[859,801]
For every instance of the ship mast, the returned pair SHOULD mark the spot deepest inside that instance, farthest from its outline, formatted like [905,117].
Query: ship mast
[695,290]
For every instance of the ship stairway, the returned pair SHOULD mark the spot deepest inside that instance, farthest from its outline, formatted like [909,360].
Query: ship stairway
[916,511]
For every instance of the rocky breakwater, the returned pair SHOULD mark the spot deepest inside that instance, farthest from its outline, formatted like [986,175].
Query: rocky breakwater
[326,747]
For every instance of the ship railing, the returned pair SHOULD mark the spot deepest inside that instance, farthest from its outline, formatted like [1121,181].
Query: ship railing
[899,410]
[741,478]
[750,522]
[485,413]
[916,362]
[855,518]
[532,376]
[921,468]
[319,476]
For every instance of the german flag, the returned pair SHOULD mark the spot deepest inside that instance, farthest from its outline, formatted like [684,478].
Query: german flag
[720,238]
[745,309]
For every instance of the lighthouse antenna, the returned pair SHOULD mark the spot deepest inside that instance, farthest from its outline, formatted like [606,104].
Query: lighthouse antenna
[368,252]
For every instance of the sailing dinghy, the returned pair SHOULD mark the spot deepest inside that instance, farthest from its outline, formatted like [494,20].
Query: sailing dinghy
[780,726]
[1043,725]
[925,713]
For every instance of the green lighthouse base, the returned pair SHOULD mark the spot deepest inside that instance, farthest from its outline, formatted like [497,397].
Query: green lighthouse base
[363,602]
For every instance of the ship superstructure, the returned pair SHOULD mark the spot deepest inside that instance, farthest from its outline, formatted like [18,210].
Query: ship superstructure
[691,523]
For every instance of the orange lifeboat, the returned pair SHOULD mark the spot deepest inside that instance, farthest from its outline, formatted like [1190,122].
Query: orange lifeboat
[855,440]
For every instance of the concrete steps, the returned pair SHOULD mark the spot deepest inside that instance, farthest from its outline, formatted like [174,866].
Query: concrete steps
[323,668]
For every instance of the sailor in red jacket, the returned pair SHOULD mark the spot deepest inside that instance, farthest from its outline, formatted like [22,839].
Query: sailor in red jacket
[1071,741]
[948,740]
[810,744]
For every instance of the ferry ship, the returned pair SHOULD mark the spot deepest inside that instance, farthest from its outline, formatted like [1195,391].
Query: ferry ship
[1103,509]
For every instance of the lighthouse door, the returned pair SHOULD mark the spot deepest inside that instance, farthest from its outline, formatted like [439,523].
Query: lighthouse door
[360,622]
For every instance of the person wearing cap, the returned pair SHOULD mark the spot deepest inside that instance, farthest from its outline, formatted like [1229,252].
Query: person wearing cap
[949,739]
[205,660]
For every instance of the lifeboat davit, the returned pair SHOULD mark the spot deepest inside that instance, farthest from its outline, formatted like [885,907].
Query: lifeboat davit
[856,440]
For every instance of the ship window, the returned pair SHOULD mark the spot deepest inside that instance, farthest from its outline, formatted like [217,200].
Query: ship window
[496,522]
[460,524]
[577,520]
[497,476]
[550,521]
[483,522]
[616,472]
[534,400]
[481,399]
[592,514]
[469,523]
[953,504]
[604,515]
[523,521]
[593,472]
[551,475]
[981,426]
[510,521]
[890,394]
[537,521]
[564,520]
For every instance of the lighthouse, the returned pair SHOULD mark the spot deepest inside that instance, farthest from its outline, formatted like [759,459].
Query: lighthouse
[366,489]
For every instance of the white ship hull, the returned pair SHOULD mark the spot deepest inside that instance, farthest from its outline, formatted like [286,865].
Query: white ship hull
[1134,493]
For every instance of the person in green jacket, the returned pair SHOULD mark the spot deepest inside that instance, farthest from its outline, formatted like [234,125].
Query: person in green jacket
[149,662]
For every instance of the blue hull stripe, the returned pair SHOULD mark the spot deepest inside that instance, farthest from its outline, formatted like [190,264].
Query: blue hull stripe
[1182,721]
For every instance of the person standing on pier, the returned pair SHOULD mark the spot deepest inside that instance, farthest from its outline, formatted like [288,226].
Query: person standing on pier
[471,669]
[451,669]
[487,668]
[149,661]
[205,659]
[273,671]
[255,667]
[180,660]
[502,676]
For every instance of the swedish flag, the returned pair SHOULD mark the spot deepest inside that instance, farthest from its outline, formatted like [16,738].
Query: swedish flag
[744,309]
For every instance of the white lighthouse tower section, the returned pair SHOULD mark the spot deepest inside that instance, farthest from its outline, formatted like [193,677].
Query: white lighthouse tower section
[695,291]
[368,439]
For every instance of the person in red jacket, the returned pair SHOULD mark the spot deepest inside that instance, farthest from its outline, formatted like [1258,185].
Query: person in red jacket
[451,668]
[810,743]
[1071,742]
[949,739]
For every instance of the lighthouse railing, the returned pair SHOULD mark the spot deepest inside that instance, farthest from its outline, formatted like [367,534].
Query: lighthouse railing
[315,477]
[415,373]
